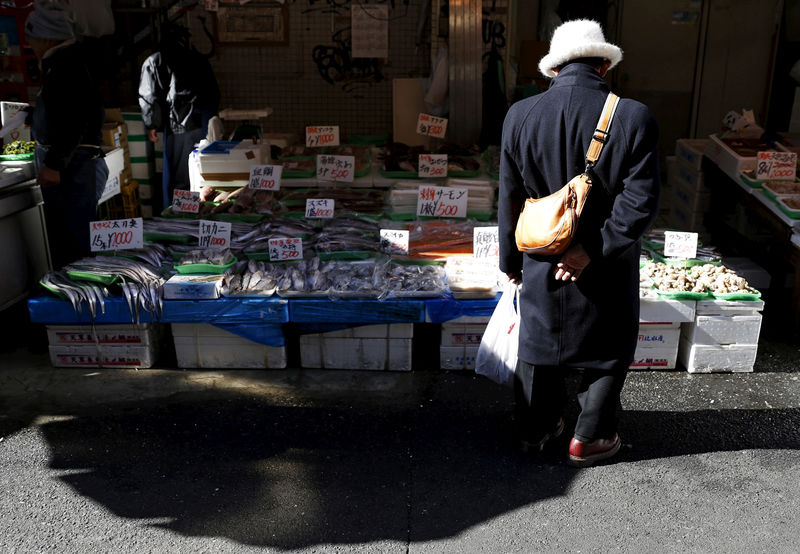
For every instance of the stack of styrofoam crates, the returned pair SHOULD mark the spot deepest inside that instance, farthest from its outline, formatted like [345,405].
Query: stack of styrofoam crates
[691,197]
[200,345]
[105,346]
[375,347]
[461,338]
[141,156]
[722,338]
[660,322]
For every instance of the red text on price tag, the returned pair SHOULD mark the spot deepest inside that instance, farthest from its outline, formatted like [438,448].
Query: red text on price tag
[336,168]
[434,201]
[485,242]
[185,201]
[321,208]
[432,165]
[115,234]
[322,135]
[215,234]
[776,166]
[265,177]
[431,125]
[680,245]
[283,249]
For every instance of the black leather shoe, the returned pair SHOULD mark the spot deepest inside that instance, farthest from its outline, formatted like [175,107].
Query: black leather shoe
[531,447]
[584,454]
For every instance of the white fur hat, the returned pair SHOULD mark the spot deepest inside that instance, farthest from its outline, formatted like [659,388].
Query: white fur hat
[581,38]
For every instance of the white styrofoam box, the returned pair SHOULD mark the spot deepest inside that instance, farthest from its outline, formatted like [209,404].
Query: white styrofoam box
[461,334]
[385,331]
[728,307]
[159,163]
[138,147]
[717,358]
[200,345]
[658,335]
[690,200]
[655,358]
[135,123]
[723,329]
[192,287]
[128,333]
[115,160]
[158,146]
[102,356]
[690,151]
[237,159]
[726,159]
[145,191]
[457,357]
[320,351]
[141,170]
[664,310]
[690,177]
[682,219]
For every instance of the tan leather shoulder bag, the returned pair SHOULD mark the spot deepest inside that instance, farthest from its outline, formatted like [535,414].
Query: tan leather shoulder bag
[547,225]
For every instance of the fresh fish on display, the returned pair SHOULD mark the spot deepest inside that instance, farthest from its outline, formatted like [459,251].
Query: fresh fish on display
[76,292]
[208,256]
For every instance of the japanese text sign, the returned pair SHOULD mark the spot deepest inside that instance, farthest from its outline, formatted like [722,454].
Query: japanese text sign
[432,165]
[431,125]
[680,245]
[115,234]
[436,201]
[215,234]
[394,241]
[282,249]
[322,136]
[336,168]
[265,177]
[321,208]
[185,201]
[772,166]
[485,242]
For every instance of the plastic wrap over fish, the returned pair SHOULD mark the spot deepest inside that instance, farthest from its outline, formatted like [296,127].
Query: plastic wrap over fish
[413,281]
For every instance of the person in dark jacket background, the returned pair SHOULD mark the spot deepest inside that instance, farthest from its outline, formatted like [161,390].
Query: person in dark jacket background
[178,94]
[66,124]
[579,309]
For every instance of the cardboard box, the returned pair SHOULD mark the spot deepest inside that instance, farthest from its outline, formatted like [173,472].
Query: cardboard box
[192,287]
[464,331]
[115,160]
[707,358]
[125,334]
[113,135]
[103,356]
[655,358]
[204,346]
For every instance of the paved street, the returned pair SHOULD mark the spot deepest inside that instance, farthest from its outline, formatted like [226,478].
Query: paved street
[340,461]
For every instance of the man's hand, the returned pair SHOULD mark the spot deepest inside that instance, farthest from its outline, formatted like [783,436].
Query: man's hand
[152,134]
[571,263]
[515,277]
[48,177]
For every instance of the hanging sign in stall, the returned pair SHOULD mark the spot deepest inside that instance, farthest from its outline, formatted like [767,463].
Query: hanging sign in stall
[265,177]
[283,249]
[432,165]
[680,245]
[394,241]
[369,30]
[336,168]
[772,166]
[185,201]
[320,208]
[215,234]
[485,242]
[322,135]
[12,117]
[434,201]
[431,125]
[115,234]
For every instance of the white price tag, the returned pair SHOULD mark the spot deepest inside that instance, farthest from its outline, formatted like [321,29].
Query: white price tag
[485,242]
[436,201]
[12,116]
[680,245]
[336,168]
[215,234]
[394,241]
[327,135]
[431,125]
[115,234]
[265,177]
[185,201]
[432,165]
[776,166]
[321,208]
[283,249]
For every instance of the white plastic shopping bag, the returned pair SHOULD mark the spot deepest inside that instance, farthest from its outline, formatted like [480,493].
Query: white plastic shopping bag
[497,354]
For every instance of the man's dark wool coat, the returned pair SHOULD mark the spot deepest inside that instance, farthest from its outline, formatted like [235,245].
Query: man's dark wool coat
[591,323]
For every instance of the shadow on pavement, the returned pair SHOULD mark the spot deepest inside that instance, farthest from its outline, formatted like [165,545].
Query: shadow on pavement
[353,471]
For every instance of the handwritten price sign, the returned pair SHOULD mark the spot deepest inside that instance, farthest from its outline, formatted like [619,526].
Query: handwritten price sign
[322,136]
[776,166]
[265,177]
[115,234]
[431,125]
[336,168]
[185,201]
[283,249]
[321,208]
[485,242]
[394,241]
[215,234]
[442,201]
[432,165]
[680,245]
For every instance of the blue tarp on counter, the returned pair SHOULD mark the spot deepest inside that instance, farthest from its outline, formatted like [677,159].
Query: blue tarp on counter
[359,312]
[440,310]
[53,311]
[227,311]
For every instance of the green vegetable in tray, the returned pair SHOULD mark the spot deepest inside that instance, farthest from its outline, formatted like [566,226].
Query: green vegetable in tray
[19,147]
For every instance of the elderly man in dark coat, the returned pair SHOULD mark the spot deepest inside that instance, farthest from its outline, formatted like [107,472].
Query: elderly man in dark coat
[579,309]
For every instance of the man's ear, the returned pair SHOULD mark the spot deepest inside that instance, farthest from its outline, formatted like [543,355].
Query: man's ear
[604,68]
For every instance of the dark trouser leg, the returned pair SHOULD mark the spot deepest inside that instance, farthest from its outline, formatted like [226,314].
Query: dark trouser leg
[539,398]
[182,146]
[598,397]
